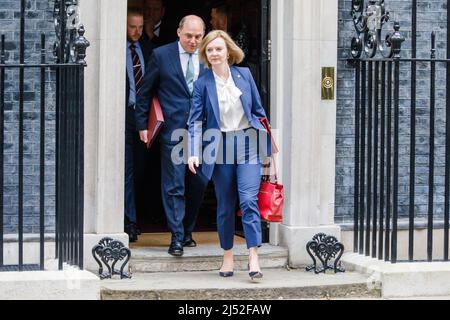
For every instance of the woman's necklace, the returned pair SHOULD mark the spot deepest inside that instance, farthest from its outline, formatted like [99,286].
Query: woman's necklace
[223,75]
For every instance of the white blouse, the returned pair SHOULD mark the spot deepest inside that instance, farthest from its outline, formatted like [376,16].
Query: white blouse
[232,116]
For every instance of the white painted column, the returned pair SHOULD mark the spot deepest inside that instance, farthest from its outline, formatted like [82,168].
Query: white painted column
[105,24]
[304,40]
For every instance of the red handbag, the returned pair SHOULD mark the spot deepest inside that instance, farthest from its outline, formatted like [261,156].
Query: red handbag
[271,194]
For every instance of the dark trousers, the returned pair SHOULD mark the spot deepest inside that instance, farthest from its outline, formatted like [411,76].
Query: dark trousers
[130,203]
[182,194]
[136,158]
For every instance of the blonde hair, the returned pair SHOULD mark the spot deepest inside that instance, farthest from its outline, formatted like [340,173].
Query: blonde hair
[235,54]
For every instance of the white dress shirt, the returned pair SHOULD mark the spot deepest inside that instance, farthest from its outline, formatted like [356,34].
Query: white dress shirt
[232,116]
[184,59]
[157,29]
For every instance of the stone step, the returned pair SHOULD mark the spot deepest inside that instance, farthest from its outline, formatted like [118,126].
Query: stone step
[202,258]
[403,280]
[277,283]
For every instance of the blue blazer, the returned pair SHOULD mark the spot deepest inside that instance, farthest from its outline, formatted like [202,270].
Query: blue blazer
[164,77]
[206,110]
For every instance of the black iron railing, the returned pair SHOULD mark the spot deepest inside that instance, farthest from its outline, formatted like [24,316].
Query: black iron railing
[380,74]
[69,67]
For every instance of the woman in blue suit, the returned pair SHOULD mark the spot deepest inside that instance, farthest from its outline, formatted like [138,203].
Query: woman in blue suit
[225,123]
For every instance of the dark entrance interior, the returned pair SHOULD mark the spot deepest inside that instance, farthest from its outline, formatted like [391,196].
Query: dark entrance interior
[253,15]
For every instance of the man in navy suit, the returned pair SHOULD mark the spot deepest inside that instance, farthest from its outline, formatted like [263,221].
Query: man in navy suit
[138,53]
[154,11]
[170,75]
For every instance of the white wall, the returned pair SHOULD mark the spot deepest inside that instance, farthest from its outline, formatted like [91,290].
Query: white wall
[304,37]
[105,24]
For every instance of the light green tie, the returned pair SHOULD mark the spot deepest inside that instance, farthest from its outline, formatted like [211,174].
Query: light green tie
[190,74]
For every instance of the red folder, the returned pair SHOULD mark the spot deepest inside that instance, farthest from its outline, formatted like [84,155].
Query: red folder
[155,121]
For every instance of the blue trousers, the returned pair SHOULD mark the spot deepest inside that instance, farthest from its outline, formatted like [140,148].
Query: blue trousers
[235,181]
[182,194]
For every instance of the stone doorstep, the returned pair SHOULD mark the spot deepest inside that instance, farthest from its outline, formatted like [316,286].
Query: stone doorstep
[402,280]
[202,258]
[69,284]
[276,284]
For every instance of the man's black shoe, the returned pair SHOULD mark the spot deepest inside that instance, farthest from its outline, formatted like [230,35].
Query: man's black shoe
[189,242]
[132,237]
[131,230]
[176,249]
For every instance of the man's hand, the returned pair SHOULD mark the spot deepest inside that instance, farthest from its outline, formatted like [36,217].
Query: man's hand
[193,163]
[143,134]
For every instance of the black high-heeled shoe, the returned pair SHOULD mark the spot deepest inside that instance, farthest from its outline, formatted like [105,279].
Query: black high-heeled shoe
[225,274]
[254,274]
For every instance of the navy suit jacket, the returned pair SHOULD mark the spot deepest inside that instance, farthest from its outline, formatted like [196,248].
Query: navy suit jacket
[164,77]
[206,111]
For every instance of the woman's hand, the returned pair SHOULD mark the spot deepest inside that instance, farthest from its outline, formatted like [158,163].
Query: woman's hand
[193,163]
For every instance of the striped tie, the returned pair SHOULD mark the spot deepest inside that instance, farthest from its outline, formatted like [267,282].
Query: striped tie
[137,70]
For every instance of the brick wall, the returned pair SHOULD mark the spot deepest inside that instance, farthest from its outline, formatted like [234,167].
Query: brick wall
[432,16]
[39,19]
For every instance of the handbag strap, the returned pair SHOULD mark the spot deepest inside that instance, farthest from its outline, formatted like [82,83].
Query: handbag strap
[265,124]
[275,167]
[275,175]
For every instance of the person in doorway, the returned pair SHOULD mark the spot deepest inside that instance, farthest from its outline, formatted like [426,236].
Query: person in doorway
[170,75]
[227,101]
[137,55]
[154,11]
[221,19]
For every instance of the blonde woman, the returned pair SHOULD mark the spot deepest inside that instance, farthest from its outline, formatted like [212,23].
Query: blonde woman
[226,101]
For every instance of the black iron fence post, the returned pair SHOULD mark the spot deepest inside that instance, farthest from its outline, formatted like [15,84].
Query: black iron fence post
[412,157]
[396,156]
[447,144]
[382,156]
[431,152]
[357,156]
[20,137]
[387,241]
[42,159]
[369,157]
[396,41]
[80,45]
[375,160]
[362,158]
[2,138]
